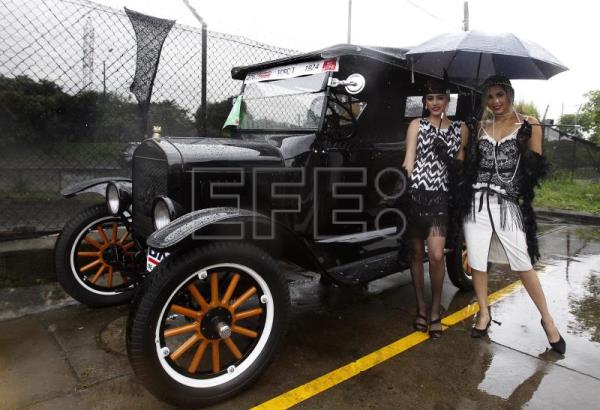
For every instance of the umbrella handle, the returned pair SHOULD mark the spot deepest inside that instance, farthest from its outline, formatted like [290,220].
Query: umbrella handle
[412,70]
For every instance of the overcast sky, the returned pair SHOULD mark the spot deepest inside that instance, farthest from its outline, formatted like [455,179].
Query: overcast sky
[566,29]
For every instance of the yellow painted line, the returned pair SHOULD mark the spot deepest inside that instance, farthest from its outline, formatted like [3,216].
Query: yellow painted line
[337,376]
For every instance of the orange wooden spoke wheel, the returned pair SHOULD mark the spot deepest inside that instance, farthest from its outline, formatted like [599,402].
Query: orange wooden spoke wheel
[96,259]
[208,322]
[465,263]
[213,322]
[103,252]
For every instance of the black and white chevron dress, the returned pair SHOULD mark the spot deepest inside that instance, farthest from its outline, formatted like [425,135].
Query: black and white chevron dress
[428,186]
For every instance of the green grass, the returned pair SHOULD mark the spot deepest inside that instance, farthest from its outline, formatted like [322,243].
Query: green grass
[560,192]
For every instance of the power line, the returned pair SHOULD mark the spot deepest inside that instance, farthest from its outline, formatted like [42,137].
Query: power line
[412,3]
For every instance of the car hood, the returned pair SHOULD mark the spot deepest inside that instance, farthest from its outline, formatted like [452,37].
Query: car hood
[215,152]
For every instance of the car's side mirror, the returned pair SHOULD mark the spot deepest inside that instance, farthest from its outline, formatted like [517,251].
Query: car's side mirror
[354,84]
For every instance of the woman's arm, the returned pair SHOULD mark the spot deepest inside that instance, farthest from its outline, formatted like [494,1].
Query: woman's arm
[535,142]
[464,140]
[411,146]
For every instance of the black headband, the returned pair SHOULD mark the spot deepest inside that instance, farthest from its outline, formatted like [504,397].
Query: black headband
[435,87]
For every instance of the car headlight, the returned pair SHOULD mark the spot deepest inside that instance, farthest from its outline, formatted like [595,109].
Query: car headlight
[163,212]
[118,197]
[113,199]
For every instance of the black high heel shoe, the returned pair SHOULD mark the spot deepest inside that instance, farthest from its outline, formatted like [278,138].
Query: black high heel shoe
[418,326]
[479,333]
[435,333]
[560,346]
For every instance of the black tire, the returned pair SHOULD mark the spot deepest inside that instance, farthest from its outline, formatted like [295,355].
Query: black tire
[91,285]
[152,331]
[457,266]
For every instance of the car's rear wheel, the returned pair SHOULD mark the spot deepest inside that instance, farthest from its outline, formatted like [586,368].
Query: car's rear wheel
[207,323]
[95,258]
[457,264]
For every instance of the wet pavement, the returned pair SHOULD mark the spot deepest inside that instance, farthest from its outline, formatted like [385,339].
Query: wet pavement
[74,356]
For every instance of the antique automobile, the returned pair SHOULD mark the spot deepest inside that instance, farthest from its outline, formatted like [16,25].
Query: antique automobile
[308,175]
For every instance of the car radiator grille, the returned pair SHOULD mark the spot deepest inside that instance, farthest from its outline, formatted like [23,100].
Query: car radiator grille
[150,179]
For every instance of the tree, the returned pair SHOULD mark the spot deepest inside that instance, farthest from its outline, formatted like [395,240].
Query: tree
[569,123]
[590,115]
[40,112]
[30,110]
[216,113]
[173,119]
[527,108]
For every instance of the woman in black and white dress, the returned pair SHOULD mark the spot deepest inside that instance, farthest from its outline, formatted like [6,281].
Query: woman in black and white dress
[430,142]
[504,164]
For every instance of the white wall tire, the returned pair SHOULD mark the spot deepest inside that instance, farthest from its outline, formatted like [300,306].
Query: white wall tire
[171,342]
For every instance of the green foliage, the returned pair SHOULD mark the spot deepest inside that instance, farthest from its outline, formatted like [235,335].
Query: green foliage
[29,108]
[216,114]
[527,108]
[590,113]
[588,117]
[172,118]
[40,112]
[560,192]
[566,123]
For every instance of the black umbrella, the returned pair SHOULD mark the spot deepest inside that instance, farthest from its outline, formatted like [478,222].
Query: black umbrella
[472,56]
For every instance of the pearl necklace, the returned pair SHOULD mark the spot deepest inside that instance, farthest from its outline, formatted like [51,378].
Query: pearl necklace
[506,181]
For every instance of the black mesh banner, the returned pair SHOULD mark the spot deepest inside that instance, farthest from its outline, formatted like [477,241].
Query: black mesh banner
[150,33]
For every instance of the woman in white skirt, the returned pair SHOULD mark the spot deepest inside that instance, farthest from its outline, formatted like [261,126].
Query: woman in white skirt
[504,163]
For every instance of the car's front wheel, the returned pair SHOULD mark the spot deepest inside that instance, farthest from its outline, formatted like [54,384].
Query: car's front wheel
[207,323]
[457,264]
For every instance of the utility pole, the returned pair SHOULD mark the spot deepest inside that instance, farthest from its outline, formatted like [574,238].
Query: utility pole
[203,108]
[349,21]
[466,16]
[88,55]
[103,77]
[104,73]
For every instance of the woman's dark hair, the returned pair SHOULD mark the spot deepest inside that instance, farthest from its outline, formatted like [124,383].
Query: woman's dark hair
[424,101]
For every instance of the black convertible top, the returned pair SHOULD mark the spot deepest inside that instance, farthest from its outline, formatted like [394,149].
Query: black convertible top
[389,55]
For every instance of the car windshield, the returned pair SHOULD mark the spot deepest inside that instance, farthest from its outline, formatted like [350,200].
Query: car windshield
[293,103]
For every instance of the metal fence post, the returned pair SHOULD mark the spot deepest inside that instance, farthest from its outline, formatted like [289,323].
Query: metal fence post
[203,98]
[573,159]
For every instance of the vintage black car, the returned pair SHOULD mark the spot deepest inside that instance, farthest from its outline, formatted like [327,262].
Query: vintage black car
[309,174]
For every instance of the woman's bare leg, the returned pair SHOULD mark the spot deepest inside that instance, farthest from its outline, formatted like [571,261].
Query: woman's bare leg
[417,252]
[480,283]
[435,246]
[532,284]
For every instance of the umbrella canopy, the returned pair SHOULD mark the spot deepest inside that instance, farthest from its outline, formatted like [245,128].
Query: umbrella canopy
[472,56]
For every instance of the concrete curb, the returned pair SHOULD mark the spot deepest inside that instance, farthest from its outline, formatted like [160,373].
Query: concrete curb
[26,262]
[569,216]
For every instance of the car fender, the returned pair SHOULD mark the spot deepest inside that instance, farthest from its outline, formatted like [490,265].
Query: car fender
[183,230]
[96,186]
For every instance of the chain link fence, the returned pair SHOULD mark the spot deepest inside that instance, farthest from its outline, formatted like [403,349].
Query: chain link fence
[66,112]
[571,156]
[67,115]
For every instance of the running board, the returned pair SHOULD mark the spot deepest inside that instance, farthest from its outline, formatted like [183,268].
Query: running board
[367,270]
